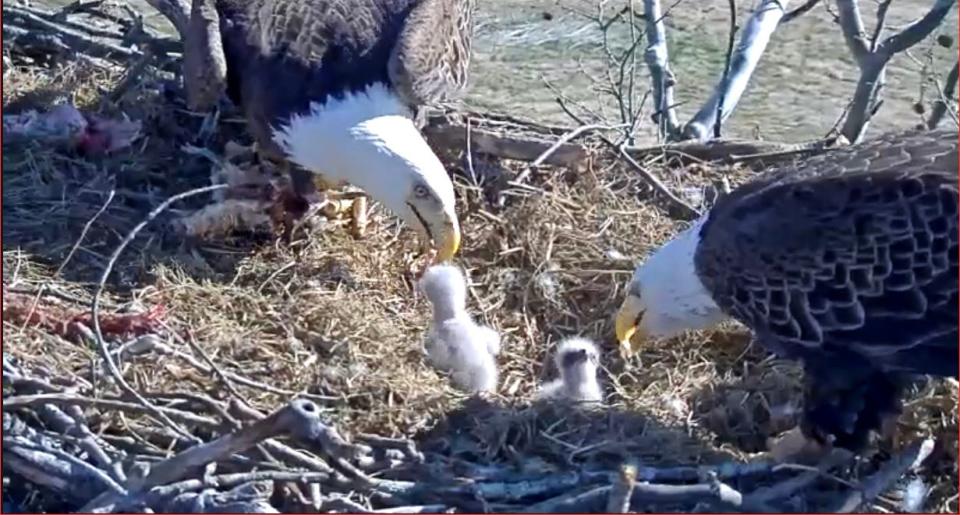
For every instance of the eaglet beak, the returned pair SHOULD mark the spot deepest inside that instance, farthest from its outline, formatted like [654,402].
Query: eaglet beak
[629,323]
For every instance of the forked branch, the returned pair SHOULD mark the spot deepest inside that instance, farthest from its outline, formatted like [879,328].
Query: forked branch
[873,61]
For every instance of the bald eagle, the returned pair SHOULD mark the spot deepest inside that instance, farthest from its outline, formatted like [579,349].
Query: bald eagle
[846,261]
[333,87]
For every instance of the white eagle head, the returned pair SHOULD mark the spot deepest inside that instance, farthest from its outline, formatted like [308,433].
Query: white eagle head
[665,296]
[369,139]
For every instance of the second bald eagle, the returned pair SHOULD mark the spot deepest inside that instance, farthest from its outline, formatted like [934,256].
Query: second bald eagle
[846,261]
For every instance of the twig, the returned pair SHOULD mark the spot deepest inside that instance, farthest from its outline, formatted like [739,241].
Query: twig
[788,487]
[84,438]
[216,370]
[131,77]
[450,135]
[570,136]
[299,418]
[43,473]
[686,210]
[95,307]
[941,106]
[83,235]
[177,11]
[882,8]
[643,493]
[619,499]
[342,504]
[725,78]
[408,447]
[204,63]
[74,39]
[426,508]
[908,459]
[717,492]
[799,11]
[63,399]
[73,249]
[55,17]
[162,348]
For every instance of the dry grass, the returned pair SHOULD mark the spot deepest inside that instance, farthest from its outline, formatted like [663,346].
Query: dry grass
[339,319]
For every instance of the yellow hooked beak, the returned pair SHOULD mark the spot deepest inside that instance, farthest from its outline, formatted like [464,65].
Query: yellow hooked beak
[629,323]
[449,242]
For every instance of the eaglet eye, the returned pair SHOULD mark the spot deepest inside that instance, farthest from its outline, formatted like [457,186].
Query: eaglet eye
[421,191]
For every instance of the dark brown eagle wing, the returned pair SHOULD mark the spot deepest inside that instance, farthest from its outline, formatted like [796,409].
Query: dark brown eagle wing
[430,61]
[853,251]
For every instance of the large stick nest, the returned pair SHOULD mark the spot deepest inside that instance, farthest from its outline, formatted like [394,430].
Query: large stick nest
[221,332]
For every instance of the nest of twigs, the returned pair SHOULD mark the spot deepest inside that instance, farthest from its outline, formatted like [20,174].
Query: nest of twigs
[267,373]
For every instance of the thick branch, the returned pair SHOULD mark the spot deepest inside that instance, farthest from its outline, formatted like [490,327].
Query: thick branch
[918,30]
[444,134]
[299,418]
[851,23]
[873,65]
[753,42]
[177,11]
[657,59]
[204,64]
[865,98]
[619,498]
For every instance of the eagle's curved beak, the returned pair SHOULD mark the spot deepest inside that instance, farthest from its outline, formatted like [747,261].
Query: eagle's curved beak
[448,240]
[629,325]
[438,228]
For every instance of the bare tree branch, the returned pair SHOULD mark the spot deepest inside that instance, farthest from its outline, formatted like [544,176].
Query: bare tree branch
[873,64]
[753,41]
[882,11]
[622,489]
[717,123]
[907,459]
[204,64]
[918,30]
[799,11]
[657,59]
[177,11]
[851,23]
